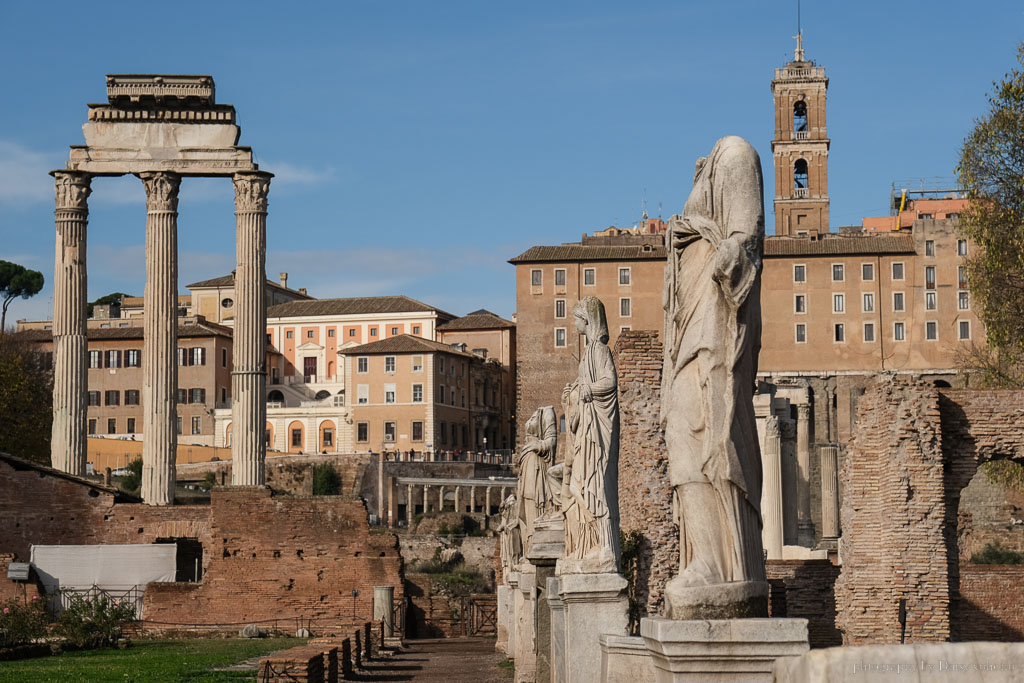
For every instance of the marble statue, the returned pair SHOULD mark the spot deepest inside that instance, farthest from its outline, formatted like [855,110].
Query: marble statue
[712,339]
[509,536]
[590,487]
[535,457]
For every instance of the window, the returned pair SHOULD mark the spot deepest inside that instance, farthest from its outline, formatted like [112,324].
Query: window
[559,308]
[289,334]
[800,303]
[800,273]
[963,301]
[624,328]
[925,216]
[297,438]
[113,359]
[440,364]
[559,337]
[536,278]
[309,334]
[838,273]
[389,393]
[223,358]
[373,331]
[363,394]
[182,396]
[964,327]
[389,364]
[930,302]
[133,358]
[929,247]
[417,393]
[899,331]
[182,357]
[440,394]
[415,329]
[589,277]
[559,277]
[867,272]
[897,271]
[352,332]
[197,425]
[226,303]
[417,363]
[95,359]
[394,331]
[801,333]
[330,333]
[131,397]
[929,277]
[931,330]
[838,303]
[417,430]
[897,301]
[111,426]
[112,398]
[177,425]
[130,429]
[363,431]
[840,332]
[800,175]
[868,302]
[94,398]
[328,436]
[197,396]
[624,308]
[92,426]
[455,435]
[961,245]
[389,431]
[961,277]
[443,431]
[624,276]
[869,332]
[362,364]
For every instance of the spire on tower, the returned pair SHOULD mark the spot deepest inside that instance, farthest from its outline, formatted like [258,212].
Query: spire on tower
[798,54]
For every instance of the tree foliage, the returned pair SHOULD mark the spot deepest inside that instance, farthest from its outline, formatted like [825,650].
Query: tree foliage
[112,298]
[132,481]
[16,281]
[991,171]
[26,400]
[326,481]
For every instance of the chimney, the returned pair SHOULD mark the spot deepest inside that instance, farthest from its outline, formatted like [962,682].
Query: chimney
[302,291]
[284,280]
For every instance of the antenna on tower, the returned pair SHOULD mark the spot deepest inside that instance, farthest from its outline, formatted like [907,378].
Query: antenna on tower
[798,54]
[659,211]
[644,205]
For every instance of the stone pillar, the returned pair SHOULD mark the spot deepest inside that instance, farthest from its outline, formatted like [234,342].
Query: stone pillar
[68,436]
[249,375]
[771,493]
[594,604]
[805,527]
[526,626]
[829,492]
[557,629]
[383,597]
[457,508]
[408,505]
[426,499]
[380,486]
[472,499]
[440,499]
[160,339]
[487,501]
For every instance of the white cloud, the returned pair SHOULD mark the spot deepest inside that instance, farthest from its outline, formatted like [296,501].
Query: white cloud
[23,174]
[291,174]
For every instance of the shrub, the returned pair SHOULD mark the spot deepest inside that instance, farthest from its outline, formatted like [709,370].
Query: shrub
[94,622]
[326,481]
[132,481]
[209,481]
[994,553]
[21,623]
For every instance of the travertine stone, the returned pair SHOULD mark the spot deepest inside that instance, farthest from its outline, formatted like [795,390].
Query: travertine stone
[625,659]
[504,598]
[595,604]
[512,620]
[249,376]
[526,626]
[829,491]
[70,346]
[712,339]
[535,457]
[771,495]
[726,650]
[557,610]
[510,536]
[805,526]
[160,350]
[383,599]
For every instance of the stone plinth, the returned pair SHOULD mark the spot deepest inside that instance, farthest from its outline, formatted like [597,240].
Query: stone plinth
[557,610]
[513,627]
[546,547]
[526,625]
[625,659]
[595,604]
[504,595]
[734,650]
[383,599]
[961,662]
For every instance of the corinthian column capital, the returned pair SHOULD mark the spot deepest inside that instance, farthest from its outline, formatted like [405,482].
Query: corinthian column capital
[251,189]
[73,189]
[161,190]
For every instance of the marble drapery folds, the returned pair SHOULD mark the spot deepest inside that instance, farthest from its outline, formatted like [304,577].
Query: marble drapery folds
[535,457]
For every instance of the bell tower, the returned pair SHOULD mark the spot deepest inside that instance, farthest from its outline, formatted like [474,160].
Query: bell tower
[800,147]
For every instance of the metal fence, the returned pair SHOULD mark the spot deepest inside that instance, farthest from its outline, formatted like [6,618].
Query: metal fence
[61,599]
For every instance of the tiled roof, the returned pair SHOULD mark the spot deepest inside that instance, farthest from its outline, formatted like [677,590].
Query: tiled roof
[477,320]
[135,332]
[590,252]
[836,245]
[353,306]
[229,281]
[403,343]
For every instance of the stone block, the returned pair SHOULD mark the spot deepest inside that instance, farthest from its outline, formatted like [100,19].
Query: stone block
[734,650]
[526,634]
[625,659]
[504,609]
[595,604]
[557,608]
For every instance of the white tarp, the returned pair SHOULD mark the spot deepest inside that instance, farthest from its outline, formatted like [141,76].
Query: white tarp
[105,566]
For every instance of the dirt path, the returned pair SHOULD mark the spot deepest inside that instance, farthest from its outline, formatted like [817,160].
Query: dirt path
[449,660]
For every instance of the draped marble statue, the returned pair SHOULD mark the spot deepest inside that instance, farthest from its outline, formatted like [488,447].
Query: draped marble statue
[590,484]
[535,457]
[509,536]
[712,339]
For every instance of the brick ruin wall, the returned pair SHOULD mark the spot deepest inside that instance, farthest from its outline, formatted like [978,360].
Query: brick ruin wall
[288,473]
[805,589]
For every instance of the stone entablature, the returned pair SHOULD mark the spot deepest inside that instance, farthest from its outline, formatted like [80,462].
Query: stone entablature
[138,87]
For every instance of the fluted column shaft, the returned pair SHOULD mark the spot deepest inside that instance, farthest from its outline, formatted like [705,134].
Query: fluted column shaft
[249,376]
[805,527]
[440,499]
[160,339]
[68,445]
[426,501]
[408,505]
[830,491]
[487,500]
[457,490]
[771,493]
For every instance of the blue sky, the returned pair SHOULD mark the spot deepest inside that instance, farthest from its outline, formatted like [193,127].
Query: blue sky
[419,145]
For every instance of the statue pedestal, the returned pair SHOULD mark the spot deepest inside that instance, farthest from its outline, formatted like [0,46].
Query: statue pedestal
[734,600]
[734,650]
[595,604]
[547,544]
[525,599]
[556,609]
[510,615]
[504,612]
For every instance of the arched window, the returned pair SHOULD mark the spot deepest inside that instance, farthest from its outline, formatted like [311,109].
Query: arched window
[322,394]
[800,115]
[800,174]
[275,396]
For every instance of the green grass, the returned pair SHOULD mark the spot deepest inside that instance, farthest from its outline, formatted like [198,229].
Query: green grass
[156,661]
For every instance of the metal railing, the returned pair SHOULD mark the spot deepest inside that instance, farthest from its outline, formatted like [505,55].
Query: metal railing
[62,598]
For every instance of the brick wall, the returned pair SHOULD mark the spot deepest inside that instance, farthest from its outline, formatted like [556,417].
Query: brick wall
[989,605]
[645,496]
[805,589]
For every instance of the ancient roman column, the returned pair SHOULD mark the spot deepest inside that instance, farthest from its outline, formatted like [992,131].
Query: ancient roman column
[440,499]
[426,500]
[771,493]
[457,490]
[70,345]
[160,338]
[805,527]
[829,491]
[249,376]
[408,505]
[487,500]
